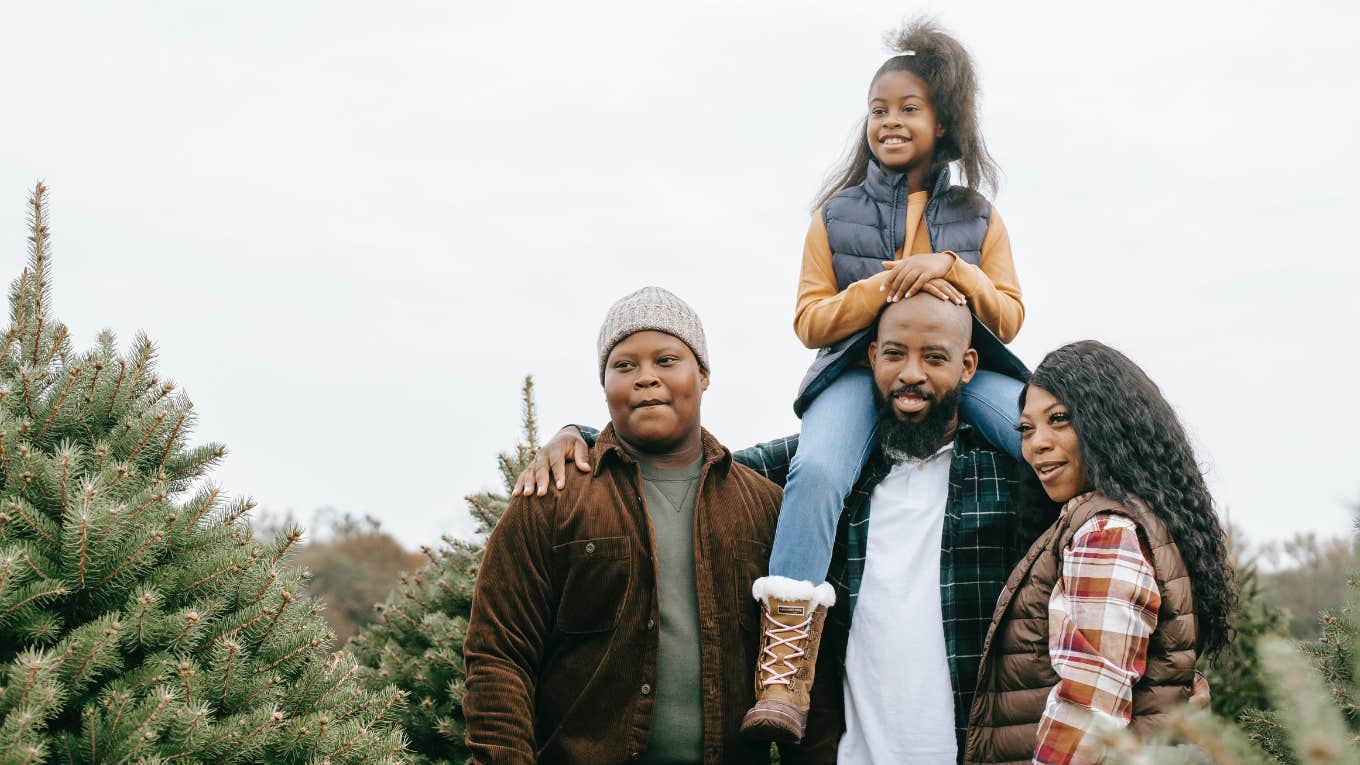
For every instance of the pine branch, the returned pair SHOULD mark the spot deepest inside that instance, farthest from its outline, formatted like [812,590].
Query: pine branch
[72,375]
[37,238]
[155,537]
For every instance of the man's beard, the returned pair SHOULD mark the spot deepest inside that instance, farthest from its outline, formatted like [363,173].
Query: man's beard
[921,438]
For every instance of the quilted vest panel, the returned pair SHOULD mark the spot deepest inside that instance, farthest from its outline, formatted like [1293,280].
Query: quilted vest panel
[866,225]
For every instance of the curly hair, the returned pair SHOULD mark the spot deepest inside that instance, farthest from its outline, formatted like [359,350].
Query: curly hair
[1133,446]
[947,70]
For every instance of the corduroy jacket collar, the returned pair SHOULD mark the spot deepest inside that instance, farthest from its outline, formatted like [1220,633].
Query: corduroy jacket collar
[608,446]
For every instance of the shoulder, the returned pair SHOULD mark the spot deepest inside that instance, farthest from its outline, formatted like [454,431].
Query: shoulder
[842,201]
[1096,505]
[972,448]
[966,200]
[761,488]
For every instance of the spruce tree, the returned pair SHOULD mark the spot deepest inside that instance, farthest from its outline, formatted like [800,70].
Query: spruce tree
[416,642]
[1312,718]
[141,619]
[1235,677]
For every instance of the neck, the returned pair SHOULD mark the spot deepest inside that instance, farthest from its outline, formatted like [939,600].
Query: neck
[916,179]
[950,433]
[681,454]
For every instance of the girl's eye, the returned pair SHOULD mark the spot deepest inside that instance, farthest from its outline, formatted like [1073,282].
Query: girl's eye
[1025,429]
[1058,417]
[910,109]
[877,111]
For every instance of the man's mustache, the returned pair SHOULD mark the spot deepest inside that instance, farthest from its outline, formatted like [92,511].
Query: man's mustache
[911,390]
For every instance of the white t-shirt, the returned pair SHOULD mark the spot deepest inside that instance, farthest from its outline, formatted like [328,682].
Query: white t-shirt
[899,702]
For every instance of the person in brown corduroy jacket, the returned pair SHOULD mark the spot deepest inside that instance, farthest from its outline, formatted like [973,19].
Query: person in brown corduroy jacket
[612,620]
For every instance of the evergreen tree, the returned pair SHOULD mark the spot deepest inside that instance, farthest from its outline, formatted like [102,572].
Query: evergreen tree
[141,619]
[1313,717]
[417,641]
[1235,677]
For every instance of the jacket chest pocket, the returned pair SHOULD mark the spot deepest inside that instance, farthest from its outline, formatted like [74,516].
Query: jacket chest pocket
[598,573]
[751,560]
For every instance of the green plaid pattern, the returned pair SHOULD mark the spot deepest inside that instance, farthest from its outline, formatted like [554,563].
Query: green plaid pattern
[980,545]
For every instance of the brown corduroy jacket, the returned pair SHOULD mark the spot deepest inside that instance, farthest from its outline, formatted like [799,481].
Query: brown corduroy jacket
[1016,676]
[562,643]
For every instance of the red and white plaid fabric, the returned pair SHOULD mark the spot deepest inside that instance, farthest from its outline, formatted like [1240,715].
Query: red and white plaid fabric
[1100,616]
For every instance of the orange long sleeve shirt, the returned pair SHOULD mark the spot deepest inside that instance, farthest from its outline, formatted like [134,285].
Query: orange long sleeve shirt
[826,314]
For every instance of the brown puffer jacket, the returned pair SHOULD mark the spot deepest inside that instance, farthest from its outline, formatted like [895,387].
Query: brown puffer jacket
[1016,677]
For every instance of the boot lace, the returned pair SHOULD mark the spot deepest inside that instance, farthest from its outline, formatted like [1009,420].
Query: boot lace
[782,635]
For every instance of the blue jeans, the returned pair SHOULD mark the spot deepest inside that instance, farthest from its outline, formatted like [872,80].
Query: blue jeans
[837,436]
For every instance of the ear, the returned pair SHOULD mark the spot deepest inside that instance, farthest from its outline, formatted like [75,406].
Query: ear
[939,130]
[703,379]
[970,363]
[873,352]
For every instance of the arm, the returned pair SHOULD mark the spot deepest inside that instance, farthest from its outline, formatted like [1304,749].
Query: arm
[1109,595]
[824,313]
[512,612]
[992,288]
[771,459]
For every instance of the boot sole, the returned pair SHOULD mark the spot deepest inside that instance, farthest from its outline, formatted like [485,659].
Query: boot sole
[765,723]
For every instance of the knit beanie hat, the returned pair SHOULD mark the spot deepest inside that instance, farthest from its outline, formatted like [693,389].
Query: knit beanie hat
[655,309]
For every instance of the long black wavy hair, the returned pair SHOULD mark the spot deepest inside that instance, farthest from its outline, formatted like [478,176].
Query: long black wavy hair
[946,68]
[1133,446]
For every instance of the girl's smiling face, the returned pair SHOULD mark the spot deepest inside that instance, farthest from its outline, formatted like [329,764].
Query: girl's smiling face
[1050,445]
[902,126]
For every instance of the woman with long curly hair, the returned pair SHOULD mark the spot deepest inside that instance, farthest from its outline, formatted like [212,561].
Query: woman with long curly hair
[1107,614]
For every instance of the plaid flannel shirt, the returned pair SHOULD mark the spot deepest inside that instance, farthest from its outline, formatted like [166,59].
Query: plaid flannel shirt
[980,545]
[1101,616]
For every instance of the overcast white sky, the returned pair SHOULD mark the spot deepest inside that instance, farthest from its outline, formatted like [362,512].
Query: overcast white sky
[353,227]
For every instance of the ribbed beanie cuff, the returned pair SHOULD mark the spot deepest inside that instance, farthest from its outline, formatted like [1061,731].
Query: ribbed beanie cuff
[652,308]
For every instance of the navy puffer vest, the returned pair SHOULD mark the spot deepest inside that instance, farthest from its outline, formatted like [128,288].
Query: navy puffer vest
[866,225]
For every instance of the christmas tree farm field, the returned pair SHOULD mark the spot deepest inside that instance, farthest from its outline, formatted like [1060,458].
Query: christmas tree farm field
[142,621]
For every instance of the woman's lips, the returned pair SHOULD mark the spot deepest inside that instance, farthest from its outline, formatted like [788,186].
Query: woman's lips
[1049,471]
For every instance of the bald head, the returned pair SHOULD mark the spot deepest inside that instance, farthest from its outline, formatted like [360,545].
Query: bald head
[925,310]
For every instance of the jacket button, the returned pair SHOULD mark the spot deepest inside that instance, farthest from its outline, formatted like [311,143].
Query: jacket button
[646,689]
[651,623]
[590,547]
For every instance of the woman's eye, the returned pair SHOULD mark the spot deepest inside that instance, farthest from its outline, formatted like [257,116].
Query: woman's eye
[1024,429]
[1058,417]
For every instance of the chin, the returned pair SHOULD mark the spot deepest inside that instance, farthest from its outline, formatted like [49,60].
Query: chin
[652,434]
[1060,494]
